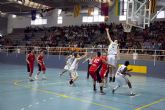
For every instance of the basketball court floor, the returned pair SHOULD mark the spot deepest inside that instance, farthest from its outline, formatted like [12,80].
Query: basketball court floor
[17,93]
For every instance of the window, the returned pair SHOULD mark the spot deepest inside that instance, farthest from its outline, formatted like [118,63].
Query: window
[94,18]
[123,17]
[85,19]
[161,14]
[101,18]
[39,21]
[90,19]
[59,18]
[96,11]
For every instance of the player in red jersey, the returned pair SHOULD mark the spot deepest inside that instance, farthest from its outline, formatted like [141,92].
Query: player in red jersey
[30,58]
[104,70]
[94,71]
[41,65]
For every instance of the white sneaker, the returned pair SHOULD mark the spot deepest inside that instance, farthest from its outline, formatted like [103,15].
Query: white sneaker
[31,79]
[44,77]
[36,77]
[105,85]
[132,94]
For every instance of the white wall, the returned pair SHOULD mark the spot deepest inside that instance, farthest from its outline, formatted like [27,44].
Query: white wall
[18,22]
[22,22]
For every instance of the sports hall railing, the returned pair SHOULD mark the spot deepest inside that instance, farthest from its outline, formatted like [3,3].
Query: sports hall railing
[127,54]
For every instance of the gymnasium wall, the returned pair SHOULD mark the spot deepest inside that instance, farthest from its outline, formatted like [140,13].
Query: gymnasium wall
[68,19]
[55,61]
[3,25]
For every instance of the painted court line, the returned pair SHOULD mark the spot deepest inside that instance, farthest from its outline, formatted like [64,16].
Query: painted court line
[65,96]
[149,105]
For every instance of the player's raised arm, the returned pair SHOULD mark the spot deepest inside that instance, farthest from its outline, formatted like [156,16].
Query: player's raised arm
[108,35]
[83,56]
[107,63]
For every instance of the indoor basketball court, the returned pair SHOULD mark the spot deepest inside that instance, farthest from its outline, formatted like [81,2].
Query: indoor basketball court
[34,56]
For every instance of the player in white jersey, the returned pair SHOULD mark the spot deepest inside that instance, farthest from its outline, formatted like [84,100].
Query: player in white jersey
[121,78]
[74,67]
[112,56]
[69,62]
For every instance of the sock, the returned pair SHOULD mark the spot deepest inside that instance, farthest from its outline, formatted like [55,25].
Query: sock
[71,81]
[94,87]
[130,89]
[114,79]
[101,89]
[110,79]
[116,87]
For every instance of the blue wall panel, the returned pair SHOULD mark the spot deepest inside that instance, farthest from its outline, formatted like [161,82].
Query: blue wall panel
[55,61]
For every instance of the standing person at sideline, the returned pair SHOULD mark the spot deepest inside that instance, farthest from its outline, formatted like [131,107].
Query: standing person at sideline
[121,78]
[41,65]
[112,56]
[74,67]
[30,58]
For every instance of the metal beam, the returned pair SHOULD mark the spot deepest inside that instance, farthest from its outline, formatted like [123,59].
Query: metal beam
[141,6]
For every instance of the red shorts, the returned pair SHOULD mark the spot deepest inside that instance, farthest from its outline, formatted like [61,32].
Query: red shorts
[41,67]
[96,76]
[31,67]
[103,72]
[93,75]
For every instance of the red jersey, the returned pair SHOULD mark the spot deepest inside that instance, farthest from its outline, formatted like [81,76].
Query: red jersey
[40,59]
[96,63]
[31,58]
[104,66]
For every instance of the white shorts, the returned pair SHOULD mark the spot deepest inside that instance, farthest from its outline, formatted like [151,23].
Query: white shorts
[67,67]
[112,59]
[121,79]
[74,73]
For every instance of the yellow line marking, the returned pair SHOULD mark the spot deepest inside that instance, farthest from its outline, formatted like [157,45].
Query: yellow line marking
[64,96]
[45,85]
[148,105]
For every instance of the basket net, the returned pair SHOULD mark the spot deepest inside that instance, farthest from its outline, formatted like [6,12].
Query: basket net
[126,27]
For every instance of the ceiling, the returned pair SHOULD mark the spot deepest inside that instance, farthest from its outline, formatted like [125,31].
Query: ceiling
[66,5]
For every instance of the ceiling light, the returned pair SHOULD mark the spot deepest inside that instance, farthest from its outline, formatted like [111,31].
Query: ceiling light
[14,16]
[19,1]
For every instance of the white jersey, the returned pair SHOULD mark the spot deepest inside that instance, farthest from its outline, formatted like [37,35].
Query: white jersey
[121,69]
[70,60]
[74,65]
[112,49]
[90,61]
[121,79]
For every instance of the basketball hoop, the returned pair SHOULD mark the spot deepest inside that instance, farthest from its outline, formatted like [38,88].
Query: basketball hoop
[126,27]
